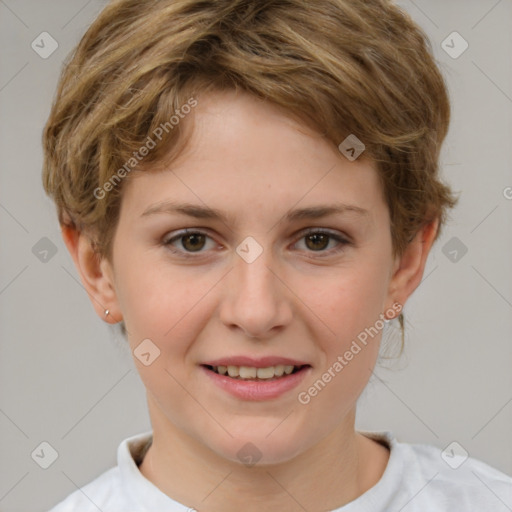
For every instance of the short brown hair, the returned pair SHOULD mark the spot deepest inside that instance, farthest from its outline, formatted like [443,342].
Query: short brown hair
[343,66]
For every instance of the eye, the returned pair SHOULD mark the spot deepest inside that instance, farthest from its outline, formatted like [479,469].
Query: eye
[317,240]
[188,241]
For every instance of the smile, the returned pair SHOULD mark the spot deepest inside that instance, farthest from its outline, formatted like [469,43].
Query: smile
[253,373]
[256,380]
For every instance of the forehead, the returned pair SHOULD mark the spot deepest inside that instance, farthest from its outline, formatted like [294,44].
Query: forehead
[243,153]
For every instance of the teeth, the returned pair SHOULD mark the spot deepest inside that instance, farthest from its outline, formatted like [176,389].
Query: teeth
[233,371]
[265,373]
[248,372]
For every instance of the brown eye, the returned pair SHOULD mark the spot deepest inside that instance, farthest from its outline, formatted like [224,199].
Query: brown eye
[317,241]
[193,242]
[188,242]
[322,242]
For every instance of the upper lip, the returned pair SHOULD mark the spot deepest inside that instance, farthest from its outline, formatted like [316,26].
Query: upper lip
[255,362]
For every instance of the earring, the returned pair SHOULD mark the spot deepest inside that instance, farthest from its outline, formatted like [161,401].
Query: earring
[107,312]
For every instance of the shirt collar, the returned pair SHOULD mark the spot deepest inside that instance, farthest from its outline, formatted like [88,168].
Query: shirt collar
[143,493]
[149,498]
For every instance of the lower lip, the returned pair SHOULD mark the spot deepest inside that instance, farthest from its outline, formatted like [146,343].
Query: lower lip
[258,389]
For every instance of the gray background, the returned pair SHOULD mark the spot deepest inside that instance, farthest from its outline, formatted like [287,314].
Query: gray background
[67,378]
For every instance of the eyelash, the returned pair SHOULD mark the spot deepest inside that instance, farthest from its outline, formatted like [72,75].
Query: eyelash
[342,242]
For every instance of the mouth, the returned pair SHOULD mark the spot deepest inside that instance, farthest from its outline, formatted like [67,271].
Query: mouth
[251,379]
[252,373]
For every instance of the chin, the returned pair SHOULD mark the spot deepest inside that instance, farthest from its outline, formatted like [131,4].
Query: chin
[256,447]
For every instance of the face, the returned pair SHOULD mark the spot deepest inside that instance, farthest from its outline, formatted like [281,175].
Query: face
[294,267]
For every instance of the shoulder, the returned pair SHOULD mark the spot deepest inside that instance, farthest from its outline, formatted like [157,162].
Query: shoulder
[450,479]
[119,488]
[103,493]
[457,467]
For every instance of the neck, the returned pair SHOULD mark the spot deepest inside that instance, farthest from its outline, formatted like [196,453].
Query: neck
[330,474]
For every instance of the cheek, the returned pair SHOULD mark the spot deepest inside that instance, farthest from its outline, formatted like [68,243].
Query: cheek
[349,301]
[170,309]
[160,300]
[351,307]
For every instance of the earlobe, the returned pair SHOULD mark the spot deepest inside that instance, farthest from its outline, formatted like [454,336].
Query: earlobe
[95,273]
[410,268]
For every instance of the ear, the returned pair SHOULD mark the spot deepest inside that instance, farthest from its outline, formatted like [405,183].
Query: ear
[95,273]
[409,268]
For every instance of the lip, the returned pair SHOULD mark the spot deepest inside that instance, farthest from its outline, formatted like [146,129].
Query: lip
[260,362]
[256,390]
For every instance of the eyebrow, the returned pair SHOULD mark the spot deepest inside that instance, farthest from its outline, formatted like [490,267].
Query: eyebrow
[204,212]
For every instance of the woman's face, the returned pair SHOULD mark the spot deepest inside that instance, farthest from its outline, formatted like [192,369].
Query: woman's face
[250,285]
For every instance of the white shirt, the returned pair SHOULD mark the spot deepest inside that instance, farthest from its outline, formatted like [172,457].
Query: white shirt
[416,479]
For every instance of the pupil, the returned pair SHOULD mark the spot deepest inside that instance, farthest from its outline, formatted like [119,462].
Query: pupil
[195,242]
[318,237]
[195,239]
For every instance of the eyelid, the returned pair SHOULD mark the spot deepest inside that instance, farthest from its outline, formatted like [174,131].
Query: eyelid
[326,231]
[166,240]
[341,238]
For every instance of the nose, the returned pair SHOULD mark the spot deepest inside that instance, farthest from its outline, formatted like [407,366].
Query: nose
[257,301]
